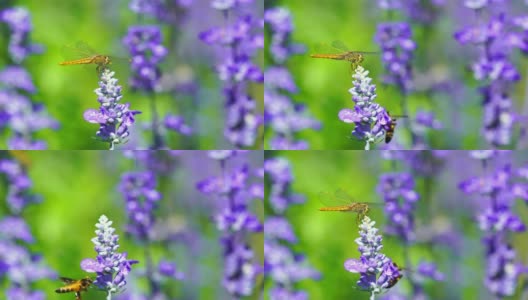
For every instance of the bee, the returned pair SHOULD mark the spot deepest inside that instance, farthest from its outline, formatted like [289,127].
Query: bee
[389,133]
[74,285]
[395,279]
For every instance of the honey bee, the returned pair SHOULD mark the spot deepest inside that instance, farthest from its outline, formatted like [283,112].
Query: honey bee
[395,279]
[391,127]
[74,285]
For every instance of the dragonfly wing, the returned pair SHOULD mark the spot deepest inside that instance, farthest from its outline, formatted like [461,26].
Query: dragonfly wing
[76,51]
[342,194]
[340,46]
[67,280]
[329,199]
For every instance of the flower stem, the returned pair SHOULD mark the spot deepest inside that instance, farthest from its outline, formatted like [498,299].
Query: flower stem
[157,142]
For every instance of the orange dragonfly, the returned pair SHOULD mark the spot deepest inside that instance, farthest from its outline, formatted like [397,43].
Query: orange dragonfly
[339,51]
[341,201]
[86,55]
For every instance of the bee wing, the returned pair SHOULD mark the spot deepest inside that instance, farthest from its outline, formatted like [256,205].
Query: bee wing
[67,280]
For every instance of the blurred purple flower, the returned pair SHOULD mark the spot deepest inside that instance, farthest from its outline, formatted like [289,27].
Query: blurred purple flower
[280,195]
[19,22]
[17,112]
[397,190]
[282,115]
[19,267]
[377,271]
[496,193]
[111,266]
[281,264]
[371,120]
[176,123]
[19,184]
[168,269]
[145,46]
[115,118]
[141,198]
[239,41]
[397,50]
[236,222]
[494,70]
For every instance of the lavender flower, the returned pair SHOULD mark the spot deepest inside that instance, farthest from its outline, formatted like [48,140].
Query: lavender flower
[176,123]
[283,116]
[18,192]
[111,266]
[236,222]
[141,196]
[240,44]
[19,267]
[280,196]
[496,193]
[378,272]
[397,47]
[371,120]
[397,190]
[281,264]
[19,22]
[113,117]
[17,112]
[494,69]
[145,46]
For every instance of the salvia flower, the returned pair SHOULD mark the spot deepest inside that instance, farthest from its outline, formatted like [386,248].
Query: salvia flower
[496,194]
[239,42]
[280,196]
[282,115]
[19,267]
[397,190]
[371,119]
[17,112]
[281,264]
[141,198]
[18,192]
[111,266]
[19,22]
[145,46]
[397,50]
[114,118]
[377,271]
[236,222]
[495,71]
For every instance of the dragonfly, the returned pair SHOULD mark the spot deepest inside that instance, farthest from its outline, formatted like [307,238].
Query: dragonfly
[341,201]
[339,51]
[85,55]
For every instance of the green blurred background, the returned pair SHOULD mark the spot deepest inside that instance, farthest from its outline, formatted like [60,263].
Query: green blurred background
[79,186]
[328,238]
[68,91]
[439,59]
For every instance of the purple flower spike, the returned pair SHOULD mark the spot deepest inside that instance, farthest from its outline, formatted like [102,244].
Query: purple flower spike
[377,272]
[145,46]
[370,118]
[141,196]
[111,266]
[115,118]
[19,22]
[240,39]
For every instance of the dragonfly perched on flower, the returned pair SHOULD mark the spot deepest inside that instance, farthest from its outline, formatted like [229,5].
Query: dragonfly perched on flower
[339,51]
[341,201]
[85,55]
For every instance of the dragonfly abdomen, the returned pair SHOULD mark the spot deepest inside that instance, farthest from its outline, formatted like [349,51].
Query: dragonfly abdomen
[328,56]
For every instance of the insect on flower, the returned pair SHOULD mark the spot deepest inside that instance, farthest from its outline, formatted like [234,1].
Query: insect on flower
[74,285]
[85,55]
[341,201]
[339,51]
[391,127]
[396,278]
